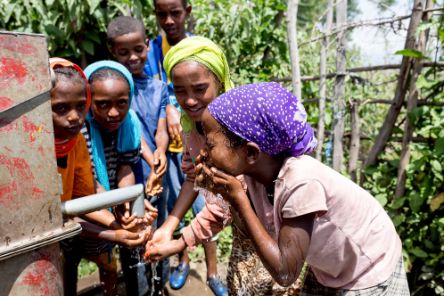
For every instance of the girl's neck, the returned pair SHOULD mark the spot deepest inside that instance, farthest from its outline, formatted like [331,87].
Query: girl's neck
[266,170]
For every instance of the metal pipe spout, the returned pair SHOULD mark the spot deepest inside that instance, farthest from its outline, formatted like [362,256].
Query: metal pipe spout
[94,202]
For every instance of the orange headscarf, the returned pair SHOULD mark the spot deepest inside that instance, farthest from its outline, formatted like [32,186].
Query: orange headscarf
[64,146]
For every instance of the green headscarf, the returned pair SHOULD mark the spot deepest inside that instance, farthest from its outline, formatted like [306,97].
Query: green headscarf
[205,52]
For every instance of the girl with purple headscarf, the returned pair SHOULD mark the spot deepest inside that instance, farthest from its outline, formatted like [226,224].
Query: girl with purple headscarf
[320,217]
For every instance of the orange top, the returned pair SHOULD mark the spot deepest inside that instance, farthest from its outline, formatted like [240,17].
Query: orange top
[77,177]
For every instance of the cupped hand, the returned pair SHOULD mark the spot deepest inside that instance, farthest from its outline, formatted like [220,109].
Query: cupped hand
[173,122]
[153,185]
[160,163]
[151,213]
[130,239]
[156,251]
[126,220]
[220,182]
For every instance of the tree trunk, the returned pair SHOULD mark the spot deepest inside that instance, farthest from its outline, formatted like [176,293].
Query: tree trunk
[401,88]
[338,100]
[411,104]
[323,80]
[354,141]
[293,42]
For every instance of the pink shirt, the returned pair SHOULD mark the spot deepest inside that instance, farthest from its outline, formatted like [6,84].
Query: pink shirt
[216,212]
[354,243]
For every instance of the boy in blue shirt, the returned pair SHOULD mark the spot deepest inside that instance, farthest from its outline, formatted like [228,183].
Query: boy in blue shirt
[172,15]
[128,45]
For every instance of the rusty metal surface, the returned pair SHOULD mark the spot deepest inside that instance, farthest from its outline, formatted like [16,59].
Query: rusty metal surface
[29,184]
[35,273]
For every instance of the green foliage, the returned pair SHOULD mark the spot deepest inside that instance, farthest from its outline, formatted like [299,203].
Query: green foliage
[418,214]
[253,36]
[86,268]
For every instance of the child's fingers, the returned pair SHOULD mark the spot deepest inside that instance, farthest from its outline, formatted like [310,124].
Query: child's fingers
[219,173]
[127,210]
[149,206]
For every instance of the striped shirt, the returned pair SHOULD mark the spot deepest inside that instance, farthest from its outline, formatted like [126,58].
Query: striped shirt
[91,246]
[113,158]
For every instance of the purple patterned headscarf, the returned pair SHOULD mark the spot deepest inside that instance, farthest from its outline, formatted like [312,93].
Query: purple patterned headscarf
[268,115]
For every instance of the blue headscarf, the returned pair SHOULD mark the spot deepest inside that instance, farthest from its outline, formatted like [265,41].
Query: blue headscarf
[128,133]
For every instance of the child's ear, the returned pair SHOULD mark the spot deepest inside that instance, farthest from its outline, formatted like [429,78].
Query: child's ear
[253,152]
[188,10]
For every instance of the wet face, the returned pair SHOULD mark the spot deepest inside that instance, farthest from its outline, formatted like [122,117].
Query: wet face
[218,150]
[110,102]
[68,104]
[130,50]
[195,87]
[171,16]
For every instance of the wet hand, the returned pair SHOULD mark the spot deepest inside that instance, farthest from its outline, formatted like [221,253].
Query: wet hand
[127,221]
[217,181]
[156,252]
[153,185]
[159,162]
[151,213]
[131,240]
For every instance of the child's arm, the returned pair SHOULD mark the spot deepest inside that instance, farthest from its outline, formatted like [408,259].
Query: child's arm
[283,258]
[161,137]
[173,121]
[184,201]
[147,154]
[162,140]
[120,236]
[153,184]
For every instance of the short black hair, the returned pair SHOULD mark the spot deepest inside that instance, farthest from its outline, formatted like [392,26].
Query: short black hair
[104,74]
[184,3]
[122,25]
[68,74]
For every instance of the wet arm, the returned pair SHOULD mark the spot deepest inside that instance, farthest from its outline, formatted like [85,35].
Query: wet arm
[184,201]
[147,154]
[125,176]
[290,249]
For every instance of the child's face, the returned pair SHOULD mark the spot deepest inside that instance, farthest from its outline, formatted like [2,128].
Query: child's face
[68,104]
[171,16]
[130,50]
[110,102]
[218,149]
[195,87]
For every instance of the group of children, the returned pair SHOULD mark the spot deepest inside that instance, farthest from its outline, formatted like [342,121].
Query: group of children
[116,124]
[166,114]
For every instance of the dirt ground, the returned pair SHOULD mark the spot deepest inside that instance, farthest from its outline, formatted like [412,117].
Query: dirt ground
[195,285]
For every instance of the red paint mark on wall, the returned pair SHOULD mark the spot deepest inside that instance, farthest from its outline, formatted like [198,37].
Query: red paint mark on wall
[32,129]
[37,193]
[12,69]
[15,45]
[41,277]
[5,103]
[20,181]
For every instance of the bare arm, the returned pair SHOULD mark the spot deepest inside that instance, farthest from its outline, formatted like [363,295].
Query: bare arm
[147,154]
[103,217]
[125,176]
[283,258]
[184,201]
[119,236]
[162,140]
[290,249]
[173,121]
